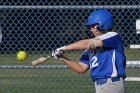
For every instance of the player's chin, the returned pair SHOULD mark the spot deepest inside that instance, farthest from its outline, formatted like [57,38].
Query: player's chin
[96,34]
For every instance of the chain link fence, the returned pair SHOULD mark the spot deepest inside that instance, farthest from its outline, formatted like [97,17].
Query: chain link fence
[39,26]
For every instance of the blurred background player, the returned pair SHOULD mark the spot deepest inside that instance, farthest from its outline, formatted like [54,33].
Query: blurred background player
[103,55]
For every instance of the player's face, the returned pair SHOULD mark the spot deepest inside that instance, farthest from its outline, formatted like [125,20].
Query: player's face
[95,31]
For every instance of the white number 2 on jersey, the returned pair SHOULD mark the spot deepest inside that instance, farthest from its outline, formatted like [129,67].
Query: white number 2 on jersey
[94,62]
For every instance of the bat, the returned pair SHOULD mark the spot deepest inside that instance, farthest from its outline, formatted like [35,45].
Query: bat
[43,59]
[40,60]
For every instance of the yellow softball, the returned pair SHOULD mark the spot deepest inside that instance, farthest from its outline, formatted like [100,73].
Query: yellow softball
[21,56]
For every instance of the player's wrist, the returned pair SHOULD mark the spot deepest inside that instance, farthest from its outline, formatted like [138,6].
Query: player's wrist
[62,48]
[62,58]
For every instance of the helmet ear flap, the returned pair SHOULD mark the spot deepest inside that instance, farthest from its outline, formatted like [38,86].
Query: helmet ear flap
[106,24]
[100,28]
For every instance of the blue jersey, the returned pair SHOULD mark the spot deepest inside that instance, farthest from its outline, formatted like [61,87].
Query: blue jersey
[108,61]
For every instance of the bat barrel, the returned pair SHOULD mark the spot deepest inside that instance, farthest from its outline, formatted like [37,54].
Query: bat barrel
[40,61]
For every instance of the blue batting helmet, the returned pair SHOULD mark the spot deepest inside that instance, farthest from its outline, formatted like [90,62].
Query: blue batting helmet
[102,18]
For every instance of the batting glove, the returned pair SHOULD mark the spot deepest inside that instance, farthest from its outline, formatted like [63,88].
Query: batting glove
[57,53]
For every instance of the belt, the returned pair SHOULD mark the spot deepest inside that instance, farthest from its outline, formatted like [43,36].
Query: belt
[103,81]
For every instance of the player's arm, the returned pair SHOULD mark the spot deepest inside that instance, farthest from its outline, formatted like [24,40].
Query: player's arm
[79,45]
[84,44]
[78,67]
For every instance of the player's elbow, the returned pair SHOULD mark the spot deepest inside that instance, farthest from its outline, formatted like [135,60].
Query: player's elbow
[83,68]
[82,71]
[94,43]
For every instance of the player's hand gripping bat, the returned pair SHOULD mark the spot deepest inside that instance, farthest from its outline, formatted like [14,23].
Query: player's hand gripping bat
[40,60]
[55,54]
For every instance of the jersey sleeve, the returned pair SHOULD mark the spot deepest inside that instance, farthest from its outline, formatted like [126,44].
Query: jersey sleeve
[85,58]
[111,40]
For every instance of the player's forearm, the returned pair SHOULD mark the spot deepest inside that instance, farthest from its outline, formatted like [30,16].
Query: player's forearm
[79,45]
[84,44]
[73,65]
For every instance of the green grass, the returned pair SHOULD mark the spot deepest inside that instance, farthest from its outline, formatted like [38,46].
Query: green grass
[44,80]
[53,80]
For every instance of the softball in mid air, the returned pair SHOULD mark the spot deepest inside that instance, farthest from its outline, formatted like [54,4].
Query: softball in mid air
[21,56]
